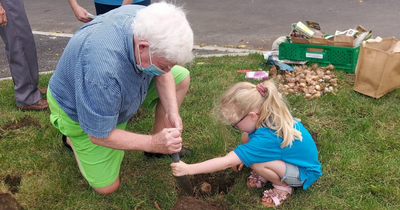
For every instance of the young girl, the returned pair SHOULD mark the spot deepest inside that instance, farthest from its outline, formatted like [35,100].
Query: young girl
[277,147]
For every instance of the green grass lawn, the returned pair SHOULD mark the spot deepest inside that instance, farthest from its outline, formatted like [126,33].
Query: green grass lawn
[357,138]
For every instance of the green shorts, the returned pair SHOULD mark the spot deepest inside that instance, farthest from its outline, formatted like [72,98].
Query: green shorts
[100,165]
[151,99]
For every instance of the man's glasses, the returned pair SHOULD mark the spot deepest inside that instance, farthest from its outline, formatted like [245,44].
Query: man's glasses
[235,125]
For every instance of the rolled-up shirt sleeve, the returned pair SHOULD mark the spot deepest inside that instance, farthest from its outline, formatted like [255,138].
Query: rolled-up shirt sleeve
[98,107]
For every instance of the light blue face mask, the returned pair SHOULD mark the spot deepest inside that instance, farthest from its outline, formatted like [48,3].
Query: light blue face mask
[152,69]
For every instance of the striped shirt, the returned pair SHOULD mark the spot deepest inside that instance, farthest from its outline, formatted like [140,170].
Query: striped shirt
[96,81]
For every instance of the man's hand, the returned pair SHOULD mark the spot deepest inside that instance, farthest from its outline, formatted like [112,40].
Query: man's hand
[168,141]
[3,17]
[173,121]
[180,168]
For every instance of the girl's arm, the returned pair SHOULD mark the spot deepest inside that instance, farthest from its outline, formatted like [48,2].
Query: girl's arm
[209,166]
[80,12]
[245,139]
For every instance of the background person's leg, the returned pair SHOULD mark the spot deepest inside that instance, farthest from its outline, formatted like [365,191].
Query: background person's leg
[21,53]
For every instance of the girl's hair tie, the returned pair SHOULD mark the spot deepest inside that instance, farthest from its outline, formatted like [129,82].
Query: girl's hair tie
[261,89]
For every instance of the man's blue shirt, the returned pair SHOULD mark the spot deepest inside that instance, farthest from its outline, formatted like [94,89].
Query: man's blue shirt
[96,81]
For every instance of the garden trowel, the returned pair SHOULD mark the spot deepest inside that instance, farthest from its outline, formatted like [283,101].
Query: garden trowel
[183,181]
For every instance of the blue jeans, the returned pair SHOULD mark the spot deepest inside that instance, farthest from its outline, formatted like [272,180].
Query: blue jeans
[292,176]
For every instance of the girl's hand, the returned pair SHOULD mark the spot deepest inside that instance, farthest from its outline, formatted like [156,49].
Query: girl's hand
[237,169]
[180,168]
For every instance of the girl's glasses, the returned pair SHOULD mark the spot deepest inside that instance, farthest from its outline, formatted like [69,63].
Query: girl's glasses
[235,125]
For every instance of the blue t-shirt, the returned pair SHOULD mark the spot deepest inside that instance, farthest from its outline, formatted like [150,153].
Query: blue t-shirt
[115,2]
[264,146]
[96,81]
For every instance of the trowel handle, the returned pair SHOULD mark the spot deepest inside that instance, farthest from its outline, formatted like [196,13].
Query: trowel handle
[175,157]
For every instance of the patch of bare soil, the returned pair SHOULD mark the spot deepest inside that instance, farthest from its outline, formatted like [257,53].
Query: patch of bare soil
[12,182]
[20,123]
[206,185]
[8,202]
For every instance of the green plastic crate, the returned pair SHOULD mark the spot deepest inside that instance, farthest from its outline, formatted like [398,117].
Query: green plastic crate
[344,58]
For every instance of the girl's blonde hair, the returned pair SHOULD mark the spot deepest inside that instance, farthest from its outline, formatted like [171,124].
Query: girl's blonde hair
[244,97]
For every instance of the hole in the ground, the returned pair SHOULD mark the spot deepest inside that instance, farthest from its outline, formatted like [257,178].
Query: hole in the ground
[19,123]
[220,183]
[13,183]
[206,185]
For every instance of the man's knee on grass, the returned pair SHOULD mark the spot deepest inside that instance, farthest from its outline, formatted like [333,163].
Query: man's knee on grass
[108,189]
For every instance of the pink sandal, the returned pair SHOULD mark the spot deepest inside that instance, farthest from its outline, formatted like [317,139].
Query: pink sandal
[255,180]
[277,197]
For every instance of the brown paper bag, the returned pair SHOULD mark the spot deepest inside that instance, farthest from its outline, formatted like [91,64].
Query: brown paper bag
[378,67]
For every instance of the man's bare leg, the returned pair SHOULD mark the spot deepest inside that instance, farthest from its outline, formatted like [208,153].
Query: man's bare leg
[181,90]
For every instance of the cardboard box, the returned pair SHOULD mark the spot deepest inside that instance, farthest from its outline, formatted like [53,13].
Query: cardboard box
[342,41]
[318,41]
[299,40]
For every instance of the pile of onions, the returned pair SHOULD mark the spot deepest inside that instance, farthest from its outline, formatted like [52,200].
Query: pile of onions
[312,81]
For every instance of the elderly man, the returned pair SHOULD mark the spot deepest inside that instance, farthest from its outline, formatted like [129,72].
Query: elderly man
[112,65]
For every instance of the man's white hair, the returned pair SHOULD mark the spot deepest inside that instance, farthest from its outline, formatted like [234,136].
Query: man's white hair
[166,28]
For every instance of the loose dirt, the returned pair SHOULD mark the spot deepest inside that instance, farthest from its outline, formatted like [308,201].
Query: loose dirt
[221,183]
[8,202]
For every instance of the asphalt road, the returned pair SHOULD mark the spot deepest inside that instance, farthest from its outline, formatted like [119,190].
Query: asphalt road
[254,23]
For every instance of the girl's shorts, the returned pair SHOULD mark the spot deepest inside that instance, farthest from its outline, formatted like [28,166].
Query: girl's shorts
[292,176]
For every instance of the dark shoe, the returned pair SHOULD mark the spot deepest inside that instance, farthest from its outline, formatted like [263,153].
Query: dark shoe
[64,140]
[40,105]
[43,91]
[154,155]
[185,152]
